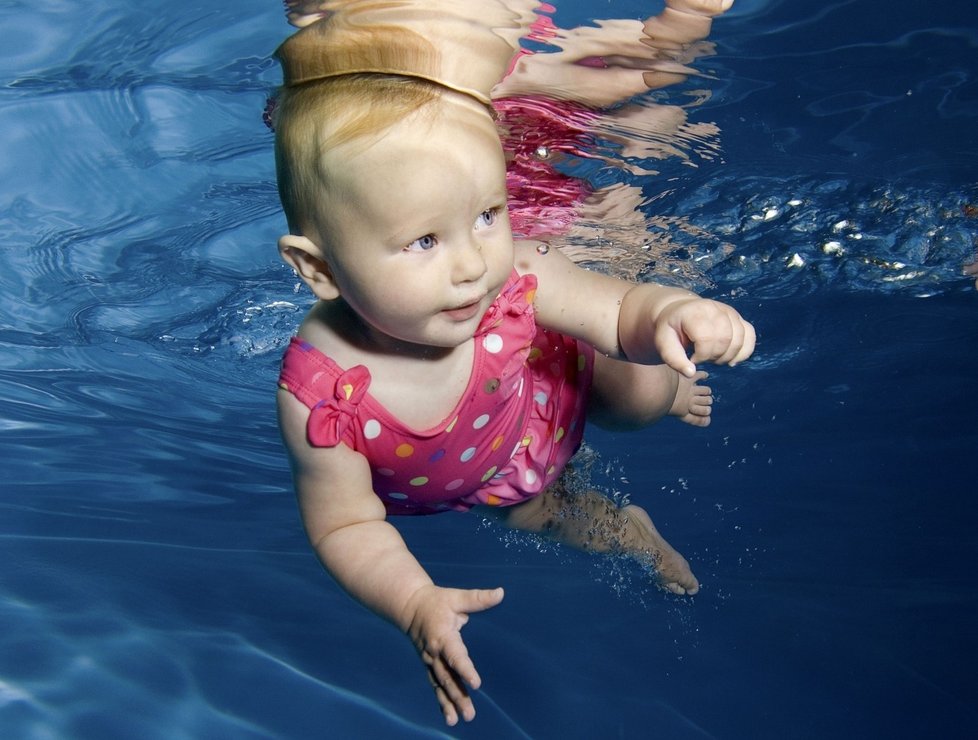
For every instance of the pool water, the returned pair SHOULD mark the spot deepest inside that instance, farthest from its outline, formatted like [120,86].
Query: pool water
[155,579]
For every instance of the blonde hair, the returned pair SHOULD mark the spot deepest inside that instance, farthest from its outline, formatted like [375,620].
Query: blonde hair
[315,118]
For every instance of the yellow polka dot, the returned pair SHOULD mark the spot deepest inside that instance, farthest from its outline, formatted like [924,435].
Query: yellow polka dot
[489,473]
[451,426]
[534,355]
[497,442]
[559,435]
[419,481]
[527,440]
[404,450]
[493,500]
[347,390]
[530,295]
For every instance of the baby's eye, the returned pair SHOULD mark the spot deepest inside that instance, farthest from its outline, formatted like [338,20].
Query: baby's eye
[487,218]
[423,244]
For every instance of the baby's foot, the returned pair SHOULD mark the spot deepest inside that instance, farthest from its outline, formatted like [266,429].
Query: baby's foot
[303,12]
[701,7]
[694,402]
[972,269]
[671,569]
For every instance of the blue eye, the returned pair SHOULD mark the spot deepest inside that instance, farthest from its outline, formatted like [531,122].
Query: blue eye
[487,218]
[423,244]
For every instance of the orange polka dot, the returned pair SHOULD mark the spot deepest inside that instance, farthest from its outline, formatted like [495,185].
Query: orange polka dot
[492,500]
[404,450]
[497,442]
[530,295]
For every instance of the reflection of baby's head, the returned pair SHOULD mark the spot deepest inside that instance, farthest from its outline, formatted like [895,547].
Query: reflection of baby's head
[320,124]
[371,64]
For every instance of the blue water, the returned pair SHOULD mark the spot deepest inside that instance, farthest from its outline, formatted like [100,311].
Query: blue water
[155,582]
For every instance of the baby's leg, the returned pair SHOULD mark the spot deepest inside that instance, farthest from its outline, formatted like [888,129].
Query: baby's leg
[592,522]
[628,396]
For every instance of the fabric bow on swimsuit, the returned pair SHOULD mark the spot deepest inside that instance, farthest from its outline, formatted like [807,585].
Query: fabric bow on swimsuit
[331,418]
[514,301]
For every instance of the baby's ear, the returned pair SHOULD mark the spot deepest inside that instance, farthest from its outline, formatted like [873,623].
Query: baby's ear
[306,258]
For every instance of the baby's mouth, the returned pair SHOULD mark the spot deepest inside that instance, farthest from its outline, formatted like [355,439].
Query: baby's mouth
[464,312]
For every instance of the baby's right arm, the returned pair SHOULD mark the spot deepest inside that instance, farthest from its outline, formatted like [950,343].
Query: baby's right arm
[345,522]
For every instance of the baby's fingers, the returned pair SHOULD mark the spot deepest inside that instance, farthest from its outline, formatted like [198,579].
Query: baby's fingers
[747,348]
[735,339]
[450,672]
[672,351]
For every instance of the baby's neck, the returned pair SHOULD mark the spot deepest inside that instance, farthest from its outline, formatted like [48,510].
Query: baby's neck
[352,332]
[418,384]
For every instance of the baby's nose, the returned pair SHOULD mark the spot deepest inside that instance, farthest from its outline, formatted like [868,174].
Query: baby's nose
[469,265]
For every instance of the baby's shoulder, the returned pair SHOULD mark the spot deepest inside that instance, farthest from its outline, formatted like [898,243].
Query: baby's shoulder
[328,331]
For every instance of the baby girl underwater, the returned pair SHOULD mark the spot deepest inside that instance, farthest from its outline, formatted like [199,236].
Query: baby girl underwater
[446,366]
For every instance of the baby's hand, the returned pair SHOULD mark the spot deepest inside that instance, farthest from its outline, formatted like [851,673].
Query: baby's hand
[716,332]
[437,616]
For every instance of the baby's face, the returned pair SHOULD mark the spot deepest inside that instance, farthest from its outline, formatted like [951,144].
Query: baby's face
[415,228]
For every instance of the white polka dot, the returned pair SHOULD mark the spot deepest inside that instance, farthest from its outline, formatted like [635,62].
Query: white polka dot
[531,477]
[480,422]
[371,430]
[398,496]
[519,391]
[454,484]
[493,343]
[467,455]
[540,397]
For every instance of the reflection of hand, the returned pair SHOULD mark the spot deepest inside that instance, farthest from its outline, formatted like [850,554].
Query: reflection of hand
[716,332]
[436,618]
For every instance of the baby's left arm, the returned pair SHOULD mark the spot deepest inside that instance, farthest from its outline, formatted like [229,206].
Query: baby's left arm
[644,323]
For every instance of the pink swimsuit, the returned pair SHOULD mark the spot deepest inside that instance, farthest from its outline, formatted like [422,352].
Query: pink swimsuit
[517,425]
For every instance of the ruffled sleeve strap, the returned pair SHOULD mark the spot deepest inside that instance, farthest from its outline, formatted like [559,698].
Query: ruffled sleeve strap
[331,393]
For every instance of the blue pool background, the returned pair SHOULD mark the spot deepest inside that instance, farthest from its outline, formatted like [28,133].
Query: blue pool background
[155,582]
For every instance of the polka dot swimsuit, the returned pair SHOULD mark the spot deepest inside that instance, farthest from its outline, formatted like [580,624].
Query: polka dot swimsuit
[517,425]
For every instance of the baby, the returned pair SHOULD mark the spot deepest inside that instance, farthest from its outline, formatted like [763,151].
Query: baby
[445,367]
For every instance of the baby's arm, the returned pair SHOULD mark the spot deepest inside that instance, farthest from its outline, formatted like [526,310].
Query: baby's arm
[646,323]
[345,522]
